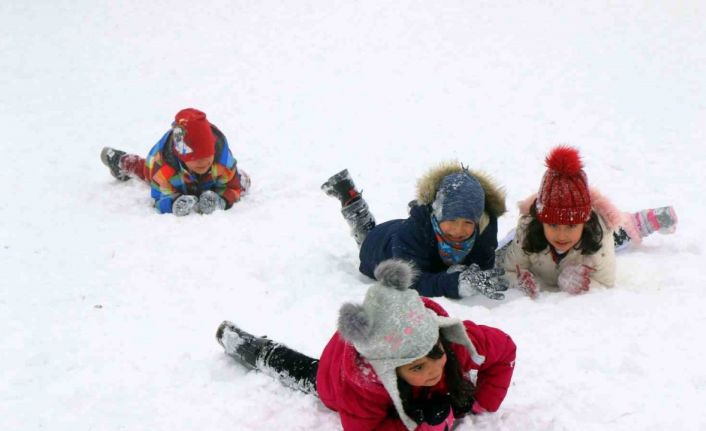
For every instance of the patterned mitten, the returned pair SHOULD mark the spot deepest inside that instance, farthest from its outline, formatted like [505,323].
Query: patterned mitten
[488,283]
[526,282]
[575,279]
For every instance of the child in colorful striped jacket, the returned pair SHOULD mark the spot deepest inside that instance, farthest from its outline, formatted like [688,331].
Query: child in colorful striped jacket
[190,169]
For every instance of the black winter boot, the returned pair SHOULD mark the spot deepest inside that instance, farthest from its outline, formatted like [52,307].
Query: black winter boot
[359,218]
[341,186]
[244,347]
[111,158]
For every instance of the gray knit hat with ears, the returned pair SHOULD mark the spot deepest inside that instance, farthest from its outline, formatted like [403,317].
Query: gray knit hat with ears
[392,327]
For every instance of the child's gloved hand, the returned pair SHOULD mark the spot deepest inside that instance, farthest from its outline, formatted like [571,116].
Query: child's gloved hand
[575,279]
[184,205]
[458,267]
[526,282]
[210,201]
[438,414]
[489,282]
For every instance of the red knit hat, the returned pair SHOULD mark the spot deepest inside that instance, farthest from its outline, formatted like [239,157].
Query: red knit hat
[192,135]
[563,196]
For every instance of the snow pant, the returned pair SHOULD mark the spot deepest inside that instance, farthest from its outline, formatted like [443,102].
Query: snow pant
[291,368]
[134,165]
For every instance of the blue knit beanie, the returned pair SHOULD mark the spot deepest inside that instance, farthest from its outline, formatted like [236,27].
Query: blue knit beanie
[459,196]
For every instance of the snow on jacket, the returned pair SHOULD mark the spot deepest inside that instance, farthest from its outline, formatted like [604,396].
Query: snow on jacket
[169,177]
[347,383]
[413,239]
[542,265]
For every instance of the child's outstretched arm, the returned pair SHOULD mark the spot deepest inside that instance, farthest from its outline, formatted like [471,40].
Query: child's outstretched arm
[495,373]
[226,179]
[407,246]
[163,192]
[227,185]
[603,263]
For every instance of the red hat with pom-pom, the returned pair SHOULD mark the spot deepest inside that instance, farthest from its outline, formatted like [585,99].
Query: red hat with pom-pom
[192,135]
[563,197]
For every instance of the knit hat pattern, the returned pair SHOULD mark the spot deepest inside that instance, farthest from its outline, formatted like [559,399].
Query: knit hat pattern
[192,136]
[563,196]
[460,195]
[392,327]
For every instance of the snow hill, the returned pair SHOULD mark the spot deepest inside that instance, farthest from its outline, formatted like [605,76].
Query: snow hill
[108,310]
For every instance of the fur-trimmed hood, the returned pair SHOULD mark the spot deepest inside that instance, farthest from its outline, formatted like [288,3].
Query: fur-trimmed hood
[428,185]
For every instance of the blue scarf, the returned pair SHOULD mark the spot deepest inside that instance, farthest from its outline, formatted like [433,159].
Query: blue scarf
[451,252]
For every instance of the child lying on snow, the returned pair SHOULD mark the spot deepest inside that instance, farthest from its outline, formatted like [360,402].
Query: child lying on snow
[567,234]
[397,362]
[190,169]
[450,235]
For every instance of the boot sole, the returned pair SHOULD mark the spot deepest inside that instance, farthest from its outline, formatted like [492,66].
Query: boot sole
[221,329]
[328,185]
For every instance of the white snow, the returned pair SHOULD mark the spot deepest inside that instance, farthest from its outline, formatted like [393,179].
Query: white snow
[108,310]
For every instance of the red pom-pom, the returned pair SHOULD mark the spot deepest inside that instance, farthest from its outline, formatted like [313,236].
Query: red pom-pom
[564,160]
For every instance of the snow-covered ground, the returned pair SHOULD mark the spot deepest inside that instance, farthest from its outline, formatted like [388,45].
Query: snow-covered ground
[108,310]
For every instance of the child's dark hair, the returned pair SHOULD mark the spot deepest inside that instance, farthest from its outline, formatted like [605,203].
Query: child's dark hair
[535,241]
[460,390]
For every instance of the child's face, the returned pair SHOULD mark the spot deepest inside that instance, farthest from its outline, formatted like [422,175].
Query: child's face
[457,230]
[199,166]
[563,236]
[423,372]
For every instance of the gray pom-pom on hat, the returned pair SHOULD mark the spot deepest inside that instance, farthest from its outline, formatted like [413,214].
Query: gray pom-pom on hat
[354,323]
[396,273]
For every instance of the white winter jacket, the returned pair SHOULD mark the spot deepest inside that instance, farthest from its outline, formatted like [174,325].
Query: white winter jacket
[541,264]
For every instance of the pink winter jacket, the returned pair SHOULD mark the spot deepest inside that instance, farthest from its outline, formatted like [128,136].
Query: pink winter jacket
[347,384]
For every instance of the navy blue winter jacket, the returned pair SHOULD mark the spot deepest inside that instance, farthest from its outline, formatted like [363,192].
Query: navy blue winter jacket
[413,240]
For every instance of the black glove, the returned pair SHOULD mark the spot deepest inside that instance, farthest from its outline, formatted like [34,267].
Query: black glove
[436,409]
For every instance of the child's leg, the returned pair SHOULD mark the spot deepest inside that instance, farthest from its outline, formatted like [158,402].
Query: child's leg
[134,165]
[341,187]
[290,367]
[359,218]
[354,208]
[662,220]
[122,165]
[644,223]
